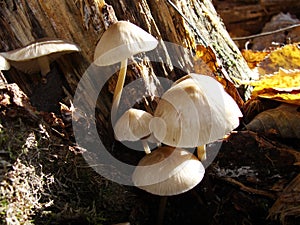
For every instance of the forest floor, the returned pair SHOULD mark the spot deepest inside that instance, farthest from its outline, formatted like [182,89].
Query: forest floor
[45,179]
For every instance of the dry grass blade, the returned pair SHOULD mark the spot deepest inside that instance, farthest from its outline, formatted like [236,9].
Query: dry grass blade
[288,203]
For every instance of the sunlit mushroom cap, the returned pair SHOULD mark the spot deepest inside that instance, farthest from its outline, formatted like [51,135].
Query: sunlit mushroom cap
[121,41]
[133,125]
[24,58]
[4,64]
[168,171]
[195,111]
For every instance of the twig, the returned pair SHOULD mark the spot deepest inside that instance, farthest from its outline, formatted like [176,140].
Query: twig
[249,189]
[266,33]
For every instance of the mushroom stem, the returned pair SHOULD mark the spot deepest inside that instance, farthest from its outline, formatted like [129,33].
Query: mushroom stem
[44,64]
[119,88]
[201,152]
[146,146]
[161,210]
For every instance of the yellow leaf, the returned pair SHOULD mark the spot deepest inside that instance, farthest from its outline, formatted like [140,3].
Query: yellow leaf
[253,57]
[281,86]
[287,57]
[283,97]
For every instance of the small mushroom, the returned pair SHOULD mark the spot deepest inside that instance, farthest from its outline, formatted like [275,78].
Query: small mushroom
[4,64]
[37,56]
[119,42]
[195,111]
[168,171]
[133,125]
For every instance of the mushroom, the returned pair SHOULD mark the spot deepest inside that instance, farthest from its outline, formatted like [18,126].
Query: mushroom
[133,125]
[4,64]
[37,56]
[119,42]
[195,111]
[168,171]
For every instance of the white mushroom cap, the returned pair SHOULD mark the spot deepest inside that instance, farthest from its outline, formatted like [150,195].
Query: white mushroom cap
[168,171]
[120,41]
[195,111]
[25,58]
[4,64]
[133,125]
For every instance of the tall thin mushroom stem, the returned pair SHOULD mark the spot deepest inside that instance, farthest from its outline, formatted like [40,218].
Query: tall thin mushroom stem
[119,88]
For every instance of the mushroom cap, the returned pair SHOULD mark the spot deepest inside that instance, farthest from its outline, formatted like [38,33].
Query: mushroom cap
[120,41]
[4,64]
[133,125]
[195,111]
[25,58]
[168,171]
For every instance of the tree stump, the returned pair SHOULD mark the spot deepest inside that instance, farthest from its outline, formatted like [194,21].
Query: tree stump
[81,22]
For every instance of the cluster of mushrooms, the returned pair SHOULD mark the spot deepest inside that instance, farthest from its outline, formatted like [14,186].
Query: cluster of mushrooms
[195,111]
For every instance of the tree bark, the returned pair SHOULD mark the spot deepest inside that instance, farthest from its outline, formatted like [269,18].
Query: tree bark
[80,21]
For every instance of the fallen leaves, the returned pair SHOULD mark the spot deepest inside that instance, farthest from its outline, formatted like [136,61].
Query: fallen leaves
[279,73]
[254,57]
[279,81]
[282,121]
[283,85]
[287,57]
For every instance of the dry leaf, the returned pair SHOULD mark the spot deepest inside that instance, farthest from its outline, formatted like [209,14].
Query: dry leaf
[206,62]
[253,57]
[281,86]
[287,57]
[231,90]
[283,121]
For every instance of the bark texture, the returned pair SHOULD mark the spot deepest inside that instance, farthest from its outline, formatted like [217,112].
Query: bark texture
[80,21]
